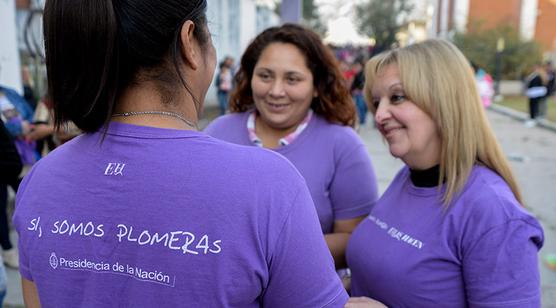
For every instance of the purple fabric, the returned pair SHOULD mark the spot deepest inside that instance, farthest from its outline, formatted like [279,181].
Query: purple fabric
[332,159]
[26,150]
[481,252]
[168,218]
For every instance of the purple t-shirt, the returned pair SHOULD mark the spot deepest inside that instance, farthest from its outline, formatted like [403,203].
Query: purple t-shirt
[480,252]
[332,159]
[165,218]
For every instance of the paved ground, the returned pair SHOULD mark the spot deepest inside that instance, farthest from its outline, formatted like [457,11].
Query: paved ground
[532,152]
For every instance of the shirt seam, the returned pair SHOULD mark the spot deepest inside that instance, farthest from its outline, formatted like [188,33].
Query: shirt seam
[505,303]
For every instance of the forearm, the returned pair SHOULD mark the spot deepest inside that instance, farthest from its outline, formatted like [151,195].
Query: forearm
[30,294]
[337,243]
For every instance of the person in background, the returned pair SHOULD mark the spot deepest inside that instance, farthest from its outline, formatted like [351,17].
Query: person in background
[536,92]
[45,133]
[451,229]
[3,282]
[137,211]
[28,92]
[291,99]
[485,85]
[224,84]
[550,87]
[11,166]
[357,90]
[16,116]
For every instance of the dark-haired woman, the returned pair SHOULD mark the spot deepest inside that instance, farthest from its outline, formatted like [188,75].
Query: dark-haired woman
[290,98]
[138,212]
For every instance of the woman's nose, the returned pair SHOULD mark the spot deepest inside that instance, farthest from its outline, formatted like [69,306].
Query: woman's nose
[277,88]
[382,112]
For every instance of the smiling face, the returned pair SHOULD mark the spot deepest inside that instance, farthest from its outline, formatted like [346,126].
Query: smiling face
[282,87]
[411,133]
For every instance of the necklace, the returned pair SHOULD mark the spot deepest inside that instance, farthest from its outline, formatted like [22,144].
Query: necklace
[162,113]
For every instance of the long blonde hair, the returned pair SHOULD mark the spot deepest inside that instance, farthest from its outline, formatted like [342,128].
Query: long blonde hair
[437,77]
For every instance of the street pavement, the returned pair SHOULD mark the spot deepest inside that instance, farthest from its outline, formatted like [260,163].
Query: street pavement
[532,153]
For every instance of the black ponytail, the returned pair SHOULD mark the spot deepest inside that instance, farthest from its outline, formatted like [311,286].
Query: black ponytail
[81,60]
[95,48]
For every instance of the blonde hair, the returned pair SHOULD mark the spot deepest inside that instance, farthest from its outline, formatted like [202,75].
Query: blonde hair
[437,77]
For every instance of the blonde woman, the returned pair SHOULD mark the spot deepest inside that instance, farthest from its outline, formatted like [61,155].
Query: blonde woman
[450,231]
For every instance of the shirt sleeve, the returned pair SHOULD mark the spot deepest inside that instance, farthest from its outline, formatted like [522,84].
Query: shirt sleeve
[501,268]
[301,270]
[354,189]
[20,226]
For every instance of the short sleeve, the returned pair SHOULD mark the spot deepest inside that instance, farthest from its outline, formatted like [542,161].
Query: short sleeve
[301,272]
[501,269]
[354,188]
[23,240]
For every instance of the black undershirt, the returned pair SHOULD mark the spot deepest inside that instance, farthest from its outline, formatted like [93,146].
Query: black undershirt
[425,178]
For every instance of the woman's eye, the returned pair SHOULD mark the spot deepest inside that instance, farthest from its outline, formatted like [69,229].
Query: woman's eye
[292,80]
[375,103]
[264,76]
[398,98]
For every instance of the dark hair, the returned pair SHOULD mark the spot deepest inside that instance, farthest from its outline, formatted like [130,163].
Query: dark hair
[97,48]
[334,100]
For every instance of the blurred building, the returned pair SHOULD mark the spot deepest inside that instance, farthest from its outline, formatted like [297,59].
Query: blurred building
[232,23]
[10,72]
[534,19]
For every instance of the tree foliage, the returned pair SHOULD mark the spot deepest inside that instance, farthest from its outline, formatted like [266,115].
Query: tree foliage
[479,46]
[382,19]
[311,17]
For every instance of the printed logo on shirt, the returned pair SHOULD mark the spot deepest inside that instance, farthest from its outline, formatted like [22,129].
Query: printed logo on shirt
[53,260]
[114,169]
[397,234]
[118,268]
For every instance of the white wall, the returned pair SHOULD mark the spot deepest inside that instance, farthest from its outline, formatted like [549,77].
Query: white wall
[10,72]
[233,24]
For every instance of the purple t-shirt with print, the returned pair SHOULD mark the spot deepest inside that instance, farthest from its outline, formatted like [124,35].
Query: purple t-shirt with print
[479,252]
[332,159]
[155,217]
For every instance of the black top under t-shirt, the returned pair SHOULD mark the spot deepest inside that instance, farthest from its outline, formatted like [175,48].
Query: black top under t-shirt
[425,178]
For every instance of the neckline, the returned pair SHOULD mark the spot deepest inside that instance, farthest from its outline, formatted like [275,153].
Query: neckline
[116,128]
[425,178]
[298,140]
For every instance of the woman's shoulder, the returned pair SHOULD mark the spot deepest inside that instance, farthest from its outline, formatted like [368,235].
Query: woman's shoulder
[226,122]
[337,133]
[488,201]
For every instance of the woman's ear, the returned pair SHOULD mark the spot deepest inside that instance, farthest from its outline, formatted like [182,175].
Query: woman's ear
[189,44]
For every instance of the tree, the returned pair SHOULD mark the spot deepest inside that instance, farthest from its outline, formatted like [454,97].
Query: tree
[311,18]
[479,46]
[382,20]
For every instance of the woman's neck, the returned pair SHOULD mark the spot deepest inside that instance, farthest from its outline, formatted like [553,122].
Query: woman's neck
[271,136]
[146,98]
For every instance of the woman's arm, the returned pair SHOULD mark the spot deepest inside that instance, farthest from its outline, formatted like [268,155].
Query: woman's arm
[30,294]
[338,239]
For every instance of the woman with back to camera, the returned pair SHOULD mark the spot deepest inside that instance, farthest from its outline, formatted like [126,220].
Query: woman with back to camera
[290,97]
[450,230]
[137,212]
